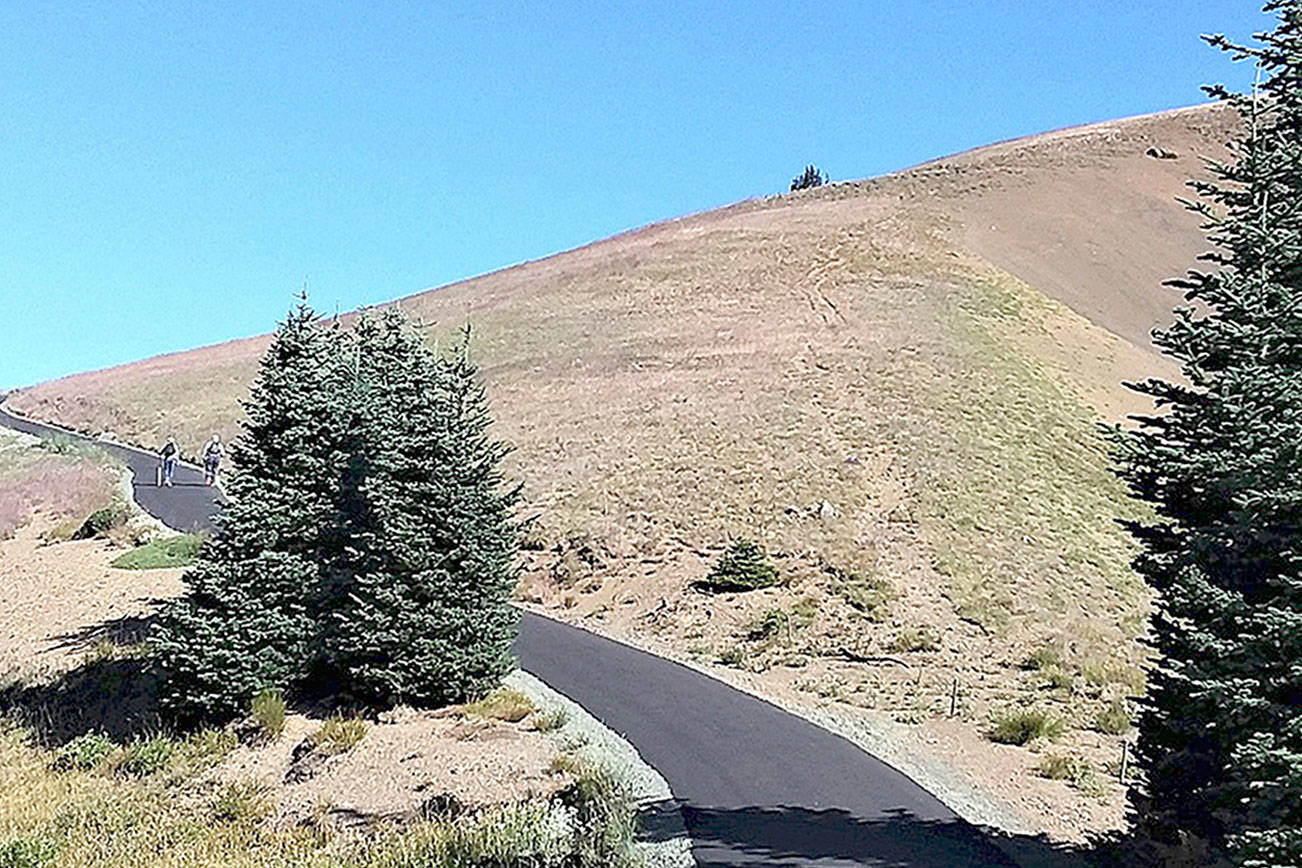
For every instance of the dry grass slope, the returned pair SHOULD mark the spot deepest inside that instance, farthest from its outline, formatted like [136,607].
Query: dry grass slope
[893,384]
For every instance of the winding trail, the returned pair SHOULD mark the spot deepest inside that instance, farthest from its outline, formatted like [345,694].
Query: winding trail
[753,784]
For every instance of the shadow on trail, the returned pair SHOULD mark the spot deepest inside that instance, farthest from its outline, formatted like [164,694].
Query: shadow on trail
[730,838]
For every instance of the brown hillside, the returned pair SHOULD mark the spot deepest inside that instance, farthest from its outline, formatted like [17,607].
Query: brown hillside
[890,383]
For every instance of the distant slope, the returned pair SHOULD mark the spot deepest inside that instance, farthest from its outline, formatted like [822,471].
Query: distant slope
[893,383]
[1088,217]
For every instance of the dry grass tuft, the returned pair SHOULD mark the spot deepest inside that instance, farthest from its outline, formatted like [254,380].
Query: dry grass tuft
[505,703]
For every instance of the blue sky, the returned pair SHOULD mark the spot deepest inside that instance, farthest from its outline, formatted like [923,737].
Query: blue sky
[170,173]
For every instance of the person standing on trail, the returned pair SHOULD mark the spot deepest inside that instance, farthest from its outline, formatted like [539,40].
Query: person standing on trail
[212,457]
[169,455]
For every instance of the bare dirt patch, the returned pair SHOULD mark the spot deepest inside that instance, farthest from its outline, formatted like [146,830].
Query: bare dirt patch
[57,601]
[408,765]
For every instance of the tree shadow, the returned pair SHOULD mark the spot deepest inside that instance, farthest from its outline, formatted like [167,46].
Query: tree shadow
[113,696]
[127,630]
[730,838]
[113,693]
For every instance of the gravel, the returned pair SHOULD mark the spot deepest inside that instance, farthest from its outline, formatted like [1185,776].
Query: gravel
[589,739]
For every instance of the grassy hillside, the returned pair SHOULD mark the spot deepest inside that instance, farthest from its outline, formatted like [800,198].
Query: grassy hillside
[893,384]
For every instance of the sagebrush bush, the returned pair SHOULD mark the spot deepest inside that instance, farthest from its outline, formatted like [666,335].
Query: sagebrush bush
[1019,726]
[1042,658]
[1076,771]
[732,655]
[101,521]
[743,567]
[914,639]
[550,721]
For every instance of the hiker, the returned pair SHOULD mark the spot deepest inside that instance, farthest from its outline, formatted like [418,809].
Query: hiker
[169,455]
[212,456]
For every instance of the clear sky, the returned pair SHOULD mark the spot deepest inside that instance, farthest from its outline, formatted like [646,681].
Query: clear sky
[170,173]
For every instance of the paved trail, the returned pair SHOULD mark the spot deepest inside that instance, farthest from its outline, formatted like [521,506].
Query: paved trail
[754,784]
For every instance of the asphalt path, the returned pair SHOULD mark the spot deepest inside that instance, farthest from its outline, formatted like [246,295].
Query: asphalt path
[188,505]
[753,784]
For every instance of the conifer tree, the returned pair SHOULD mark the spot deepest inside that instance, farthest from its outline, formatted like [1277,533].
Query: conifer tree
[420,609]
[247,622]
[1220,745]
[808,179]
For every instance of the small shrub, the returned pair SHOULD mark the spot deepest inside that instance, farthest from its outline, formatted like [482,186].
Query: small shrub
[1074,770]
[744,567]
[732,656]
[701,650]
[1043,658]
[339,735]
[173,551]
[768,625]
[1059,679]
[239,803]
[915,640]
[505,703]
[1115,719]
[566,764]
[101,521]
[267,713]
[148,756]
[1020,726]
[550,721]
[28,853]
[804,612]
[85,752]
[866,594]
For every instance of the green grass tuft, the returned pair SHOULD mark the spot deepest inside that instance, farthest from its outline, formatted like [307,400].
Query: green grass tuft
[339,735]
[28,853]
[267,712]
[1115,719]
[148,756]
[172,551]
[1020,726]
[85,752]
[240,803]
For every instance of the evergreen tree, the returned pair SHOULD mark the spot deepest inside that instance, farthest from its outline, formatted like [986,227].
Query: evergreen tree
[1220,743]
[420,607]
[247,622]
[811,177]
